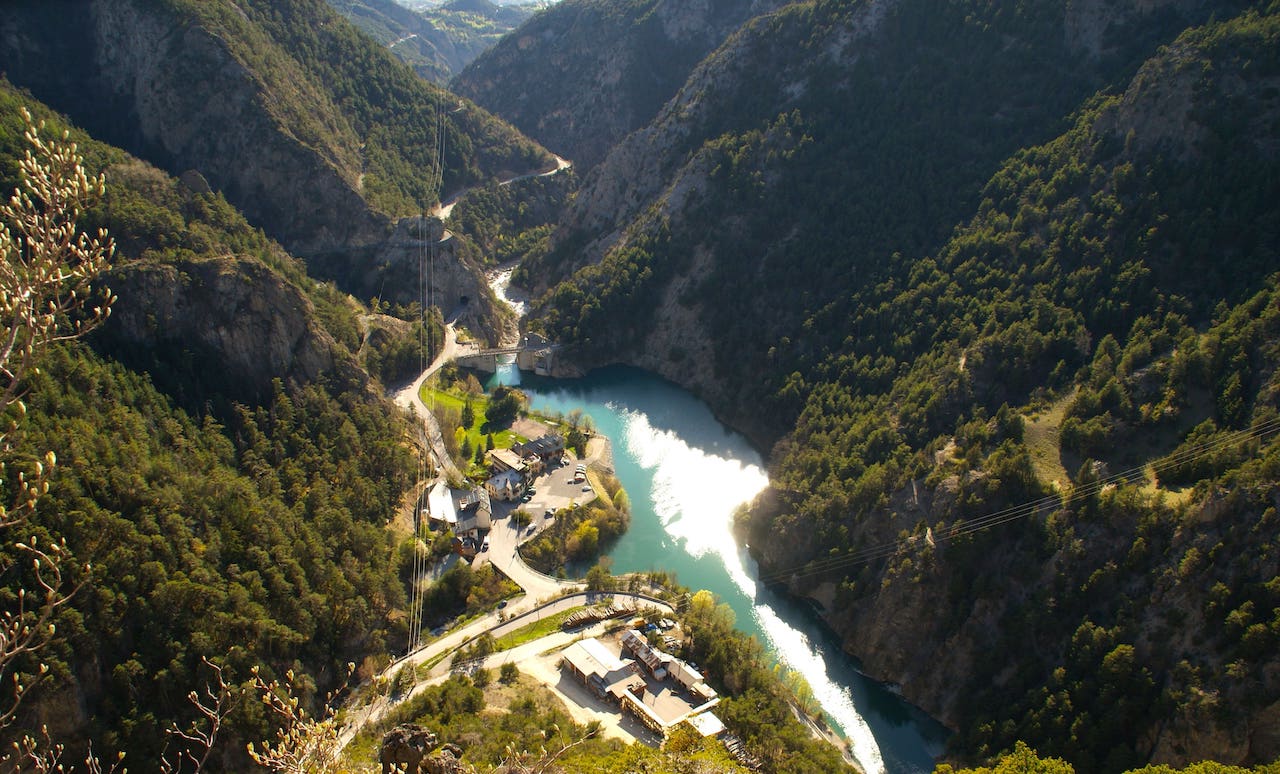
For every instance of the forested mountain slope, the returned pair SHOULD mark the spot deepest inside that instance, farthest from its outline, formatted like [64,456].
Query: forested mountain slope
[318,134]
[436,42]
[959,259]
[823,148]
[1121,282]
[224,468]
[583,74]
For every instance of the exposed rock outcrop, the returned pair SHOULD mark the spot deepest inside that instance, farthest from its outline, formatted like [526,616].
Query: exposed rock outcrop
[213,92]
[421,259]
[232,325]
[178,94]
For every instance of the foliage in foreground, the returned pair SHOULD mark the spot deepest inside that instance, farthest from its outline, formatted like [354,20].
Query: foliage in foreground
[1024,760]
[245,535]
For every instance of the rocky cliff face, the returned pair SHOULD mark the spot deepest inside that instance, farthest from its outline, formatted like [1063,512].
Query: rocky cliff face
[582,75]
[229,324]
[423,259]
[212,92]
[175,93]
[636,171]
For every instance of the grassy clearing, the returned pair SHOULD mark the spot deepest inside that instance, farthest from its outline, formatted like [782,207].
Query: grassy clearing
[454,400]
[531,632]
[1041,437]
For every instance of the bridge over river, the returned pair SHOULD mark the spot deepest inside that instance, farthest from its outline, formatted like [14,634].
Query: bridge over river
[533,353]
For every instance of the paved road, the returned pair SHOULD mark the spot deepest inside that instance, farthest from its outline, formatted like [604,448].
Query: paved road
[519,613]
[410,398]
[504,538]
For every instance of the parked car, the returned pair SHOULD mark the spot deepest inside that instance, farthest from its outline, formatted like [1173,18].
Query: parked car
[530,530]
[485,545]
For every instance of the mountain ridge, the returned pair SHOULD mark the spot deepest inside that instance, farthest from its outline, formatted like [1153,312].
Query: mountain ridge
[883,265]
[583,74]
[321,137]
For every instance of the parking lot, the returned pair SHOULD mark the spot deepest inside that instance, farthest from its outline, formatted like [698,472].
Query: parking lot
[552,491]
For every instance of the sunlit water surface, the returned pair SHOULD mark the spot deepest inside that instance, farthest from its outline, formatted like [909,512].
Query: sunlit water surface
[686,474]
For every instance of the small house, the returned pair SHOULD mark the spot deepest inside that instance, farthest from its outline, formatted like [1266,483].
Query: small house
[506,486]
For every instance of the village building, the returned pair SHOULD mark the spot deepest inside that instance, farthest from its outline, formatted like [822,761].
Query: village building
[607,675]
[501,460]
[707,724]
[507,486]
[466,512]
[441,510]
[676,693]
[475,514]
[548,448]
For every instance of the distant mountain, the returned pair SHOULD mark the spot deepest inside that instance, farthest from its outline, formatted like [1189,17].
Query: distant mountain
[585,73]
[318,134]
[436,41]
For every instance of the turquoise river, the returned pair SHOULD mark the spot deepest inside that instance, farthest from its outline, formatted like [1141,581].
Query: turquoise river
[686,473]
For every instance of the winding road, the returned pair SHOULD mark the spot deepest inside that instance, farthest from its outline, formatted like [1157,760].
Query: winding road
[410,398]
[504,538]
[446,207]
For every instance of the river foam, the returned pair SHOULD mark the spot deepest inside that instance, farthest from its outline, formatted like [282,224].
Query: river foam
[695,493]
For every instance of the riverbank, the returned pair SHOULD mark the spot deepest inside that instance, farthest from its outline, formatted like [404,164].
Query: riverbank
[686,473]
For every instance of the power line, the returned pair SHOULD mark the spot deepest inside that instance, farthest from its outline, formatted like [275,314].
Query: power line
[426,283]
[1023,510]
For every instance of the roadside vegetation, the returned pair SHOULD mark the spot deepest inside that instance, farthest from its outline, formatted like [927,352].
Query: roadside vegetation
[400,346]
[471,420]
[583,533]
[464,592]
[509,720]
